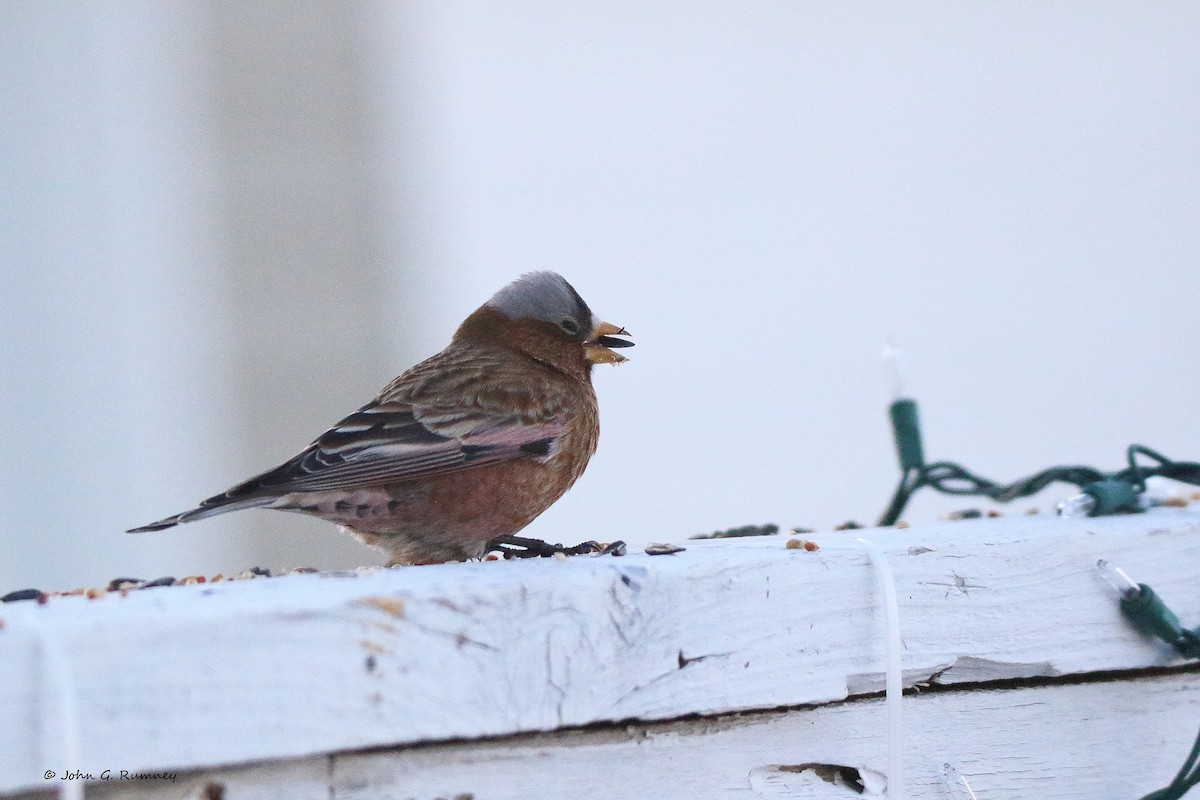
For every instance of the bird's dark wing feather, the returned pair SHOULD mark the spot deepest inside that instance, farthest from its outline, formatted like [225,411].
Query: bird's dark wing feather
[462,408]
[385,442]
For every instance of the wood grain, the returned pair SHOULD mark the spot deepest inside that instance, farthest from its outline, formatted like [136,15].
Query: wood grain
[234,673]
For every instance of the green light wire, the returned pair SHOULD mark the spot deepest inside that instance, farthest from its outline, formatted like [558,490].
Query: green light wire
[1111,492]
[1146,611]
[1187,777]
[1114,491]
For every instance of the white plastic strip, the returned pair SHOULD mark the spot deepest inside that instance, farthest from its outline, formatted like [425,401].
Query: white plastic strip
[59,698]
[895,690]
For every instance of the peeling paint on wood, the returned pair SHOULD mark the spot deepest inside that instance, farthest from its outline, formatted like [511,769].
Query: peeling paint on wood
[239,672]
[1056,741]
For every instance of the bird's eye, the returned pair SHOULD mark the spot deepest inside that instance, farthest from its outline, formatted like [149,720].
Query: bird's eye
[569,325]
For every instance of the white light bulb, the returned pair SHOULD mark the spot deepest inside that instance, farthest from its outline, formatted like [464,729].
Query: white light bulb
[956,783]
[891,369]
[1077,505]
[1116,578]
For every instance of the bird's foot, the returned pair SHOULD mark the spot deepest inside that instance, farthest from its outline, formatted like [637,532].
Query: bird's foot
[522,547]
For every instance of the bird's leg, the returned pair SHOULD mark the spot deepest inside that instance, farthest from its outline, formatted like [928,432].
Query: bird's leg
[583,548]
[522,547]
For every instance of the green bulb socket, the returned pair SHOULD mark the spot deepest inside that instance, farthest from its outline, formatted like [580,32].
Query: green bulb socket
[1150,615]
[1112,497]
[907,428]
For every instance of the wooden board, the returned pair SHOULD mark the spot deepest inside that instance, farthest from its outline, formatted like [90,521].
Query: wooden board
[241,672]
[1108,739]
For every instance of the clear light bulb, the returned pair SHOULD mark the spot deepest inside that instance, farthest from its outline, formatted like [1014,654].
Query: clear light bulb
[1115,577]
[1077,505]
[956,783]
[891,369]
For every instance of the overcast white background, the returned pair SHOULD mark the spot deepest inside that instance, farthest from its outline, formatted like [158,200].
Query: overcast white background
[222,227]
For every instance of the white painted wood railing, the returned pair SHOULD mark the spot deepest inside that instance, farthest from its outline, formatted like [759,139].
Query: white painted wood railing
[739,668]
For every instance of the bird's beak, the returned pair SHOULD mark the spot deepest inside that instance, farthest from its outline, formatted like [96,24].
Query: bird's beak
[598,347]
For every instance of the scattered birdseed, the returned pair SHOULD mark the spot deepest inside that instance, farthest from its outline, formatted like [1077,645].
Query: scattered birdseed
[658,549]
[993,513]
[745,530]
[191,580]
[21,594]
[95,594]
[617,548]
[1032,511]
[491,557]
[802,544]
[849,525]
[900,524]
[117,584]
[1174,502]
[966,513]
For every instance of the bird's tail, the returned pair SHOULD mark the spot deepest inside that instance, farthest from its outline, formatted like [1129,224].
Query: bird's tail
[209,508]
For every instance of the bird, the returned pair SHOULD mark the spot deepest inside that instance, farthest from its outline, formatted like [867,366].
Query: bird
[466,448]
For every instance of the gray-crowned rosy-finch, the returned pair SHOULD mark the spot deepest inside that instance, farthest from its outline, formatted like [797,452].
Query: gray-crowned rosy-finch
[468,446]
